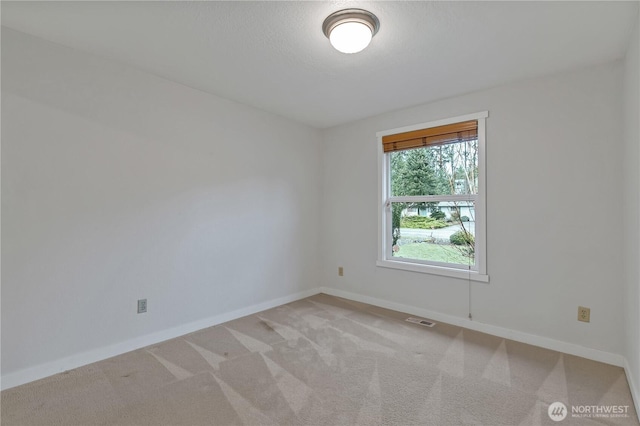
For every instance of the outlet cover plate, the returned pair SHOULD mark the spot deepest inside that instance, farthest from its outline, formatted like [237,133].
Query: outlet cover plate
[142,306]
[584,314]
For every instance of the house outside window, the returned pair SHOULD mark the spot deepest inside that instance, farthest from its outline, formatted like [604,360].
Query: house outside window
[432,214]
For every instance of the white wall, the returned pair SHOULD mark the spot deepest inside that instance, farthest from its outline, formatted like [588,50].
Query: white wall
[632,212]
[119,185]
[553,152]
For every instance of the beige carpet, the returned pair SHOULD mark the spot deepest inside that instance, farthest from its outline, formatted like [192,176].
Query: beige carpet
[325,361]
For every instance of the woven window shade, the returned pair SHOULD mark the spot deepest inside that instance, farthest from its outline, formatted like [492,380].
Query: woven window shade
[441,135]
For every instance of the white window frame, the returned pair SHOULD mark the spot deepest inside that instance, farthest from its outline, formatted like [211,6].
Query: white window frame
[385,258]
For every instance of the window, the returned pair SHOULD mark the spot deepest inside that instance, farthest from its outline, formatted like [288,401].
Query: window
[432,198]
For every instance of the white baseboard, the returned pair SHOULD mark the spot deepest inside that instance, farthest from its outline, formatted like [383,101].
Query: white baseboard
[518,336]
[633,386]
[74,361]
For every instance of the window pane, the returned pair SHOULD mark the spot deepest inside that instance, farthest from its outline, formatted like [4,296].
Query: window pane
[436,232]
[435,170]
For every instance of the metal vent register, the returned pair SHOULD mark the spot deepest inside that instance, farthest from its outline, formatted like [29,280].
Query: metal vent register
[420,321]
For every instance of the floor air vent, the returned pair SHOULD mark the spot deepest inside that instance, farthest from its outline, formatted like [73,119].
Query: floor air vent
[419,321]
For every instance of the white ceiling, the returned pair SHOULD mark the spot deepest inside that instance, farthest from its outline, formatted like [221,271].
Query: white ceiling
[273,55]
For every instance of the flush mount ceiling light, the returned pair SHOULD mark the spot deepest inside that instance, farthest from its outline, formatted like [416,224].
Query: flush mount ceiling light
[350,30]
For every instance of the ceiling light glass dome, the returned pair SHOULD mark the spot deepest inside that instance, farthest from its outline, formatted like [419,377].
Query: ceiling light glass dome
[350,30]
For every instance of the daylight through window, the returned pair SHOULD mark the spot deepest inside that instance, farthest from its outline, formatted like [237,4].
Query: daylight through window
[432,188]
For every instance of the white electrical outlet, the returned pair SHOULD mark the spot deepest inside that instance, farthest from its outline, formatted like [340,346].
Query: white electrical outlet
[142,306]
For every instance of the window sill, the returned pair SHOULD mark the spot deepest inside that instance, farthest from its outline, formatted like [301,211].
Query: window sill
[434,270]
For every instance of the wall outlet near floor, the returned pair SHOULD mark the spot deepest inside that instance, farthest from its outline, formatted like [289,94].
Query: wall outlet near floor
[340,271]
[584,314]
[142,306]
